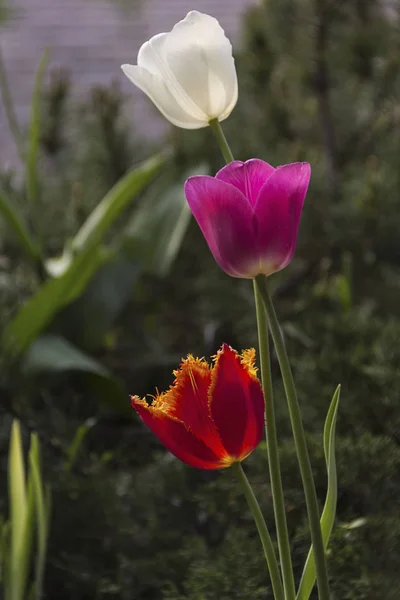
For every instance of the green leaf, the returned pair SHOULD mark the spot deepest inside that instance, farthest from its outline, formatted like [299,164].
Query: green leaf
[34,135]
[54,354]
[87,320]
[328,514]
[77,441]
[38,311]
[151,241]
[85,258]
[10,213]
[42,520]
[113,203]
[360,522]
[157,228]
[17,491]
[4,542]
[4,555]
[21,518]
[8,103]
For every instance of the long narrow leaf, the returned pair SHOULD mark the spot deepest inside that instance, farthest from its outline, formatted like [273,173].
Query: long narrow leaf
[9,106]
[11,215]
[38,311]
[76,443]
[41,515]
[17,494]
[328,515]
[21,518]
[2,547]
[5,556]
[34,135]
[157,228]
[86,258]
[113,203]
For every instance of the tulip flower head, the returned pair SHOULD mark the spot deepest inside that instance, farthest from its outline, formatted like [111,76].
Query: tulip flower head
[249,214]
[212,416]
[189,73]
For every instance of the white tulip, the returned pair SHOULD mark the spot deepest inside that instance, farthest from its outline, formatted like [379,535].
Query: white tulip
[189,73]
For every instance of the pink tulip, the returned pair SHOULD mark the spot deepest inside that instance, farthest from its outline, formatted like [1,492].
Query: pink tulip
[249,214]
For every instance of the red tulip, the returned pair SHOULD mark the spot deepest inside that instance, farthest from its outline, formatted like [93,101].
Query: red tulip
[212,416]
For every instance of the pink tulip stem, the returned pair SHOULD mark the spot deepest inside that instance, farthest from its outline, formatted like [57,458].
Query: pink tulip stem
[299,439]
[273,449]
[270,428]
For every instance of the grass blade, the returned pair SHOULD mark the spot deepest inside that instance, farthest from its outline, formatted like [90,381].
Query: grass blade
[41,515]
[328,515]
[114,202]
[10,213]
[9,109]
[21,518]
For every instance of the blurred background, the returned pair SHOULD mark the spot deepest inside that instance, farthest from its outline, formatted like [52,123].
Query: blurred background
[106,282]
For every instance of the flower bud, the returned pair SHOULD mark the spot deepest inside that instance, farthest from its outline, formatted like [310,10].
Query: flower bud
[249,214]
[189,73]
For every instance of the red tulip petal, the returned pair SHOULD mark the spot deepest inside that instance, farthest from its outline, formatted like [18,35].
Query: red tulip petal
[236,402]
[187,401]
[226,219]
[248,177]
[177,439]
[277,212]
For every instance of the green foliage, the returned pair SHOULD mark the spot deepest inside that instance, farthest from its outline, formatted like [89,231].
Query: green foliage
[24,535]
[15,222]
[329,511]
[319,82]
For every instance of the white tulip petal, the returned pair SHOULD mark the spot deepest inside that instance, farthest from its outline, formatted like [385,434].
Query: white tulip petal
[151,56]
[189,73]
[200,56]
[158,92]
[149,53]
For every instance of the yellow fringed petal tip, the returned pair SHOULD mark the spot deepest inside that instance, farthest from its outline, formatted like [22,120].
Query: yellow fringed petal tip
[248,358]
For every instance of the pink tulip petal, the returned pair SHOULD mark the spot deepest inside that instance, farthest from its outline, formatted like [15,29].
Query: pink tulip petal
[248,177]
[226,219]
[277,212]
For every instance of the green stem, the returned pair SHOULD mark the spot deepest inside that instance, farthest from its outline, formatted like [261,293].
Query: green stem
[262,530]
[272,442]
[272,449]
[300,441]
[222,141]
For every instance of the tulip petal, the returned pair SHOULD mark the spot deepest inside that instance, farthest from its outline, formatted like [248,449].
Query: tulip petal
[176,437]
[158,92]
[248,177]
[236,403]
[226,219]
[187,401]
[277,212]
[152,56]
[200,57]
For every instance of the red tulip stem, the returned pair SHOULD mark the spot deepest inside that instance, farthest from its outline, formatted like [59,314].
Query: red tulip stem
[262,530]
[273,450]
[299,439]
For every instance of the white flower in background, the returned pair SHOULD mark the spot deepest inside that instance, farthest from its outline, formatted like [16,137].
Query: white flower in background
[189,73]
